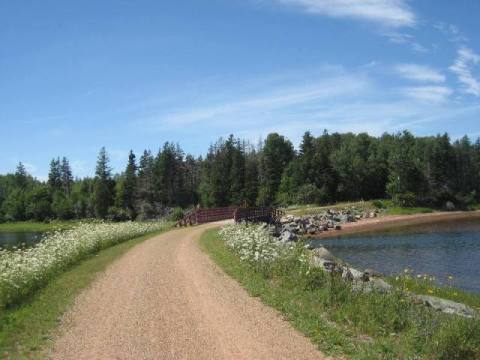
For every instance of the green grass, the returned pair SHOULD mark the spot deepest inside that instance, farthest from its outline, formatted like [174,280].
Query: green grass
[32,226]
[301,210]
[387,207]
[26,330]
[426,287]
[352,325]
[398,210]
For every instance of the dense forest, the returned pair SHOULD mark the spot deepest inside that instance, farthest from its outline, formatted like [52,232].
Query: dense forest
[432,171]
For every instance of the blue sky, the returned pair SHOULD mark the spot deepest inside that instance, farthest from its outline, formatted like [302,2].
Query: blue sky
[78,75]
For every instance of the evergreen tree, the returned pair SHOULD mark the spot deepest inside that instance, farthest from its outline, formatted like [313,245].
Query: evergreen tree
[251,178]
[67,176]
[276,154]
[55,176]
[405,177]
[130,185]
[102,193]
[21,176]
[146,180]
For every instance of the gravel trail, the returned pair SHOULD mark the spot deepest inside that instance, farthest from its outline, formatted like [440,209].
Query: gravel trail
[165,299]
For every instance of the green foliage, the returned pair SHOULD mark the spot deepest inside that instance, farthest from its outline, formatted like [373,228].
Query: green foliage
[102,191]
[458,339]
[177,214]
[422,172]
[276,154]
[38,204]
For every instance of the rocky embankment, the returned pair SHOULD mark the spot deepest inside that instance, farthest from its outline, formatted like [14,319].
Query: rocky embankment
[291,228]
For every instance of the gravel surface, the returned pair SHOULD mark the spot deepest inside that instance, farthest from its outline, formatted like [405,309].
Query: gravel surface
[165,299]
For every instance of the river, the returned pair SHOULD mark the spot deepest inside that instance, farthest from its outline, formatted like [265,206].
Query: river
[449,250]
[18,239]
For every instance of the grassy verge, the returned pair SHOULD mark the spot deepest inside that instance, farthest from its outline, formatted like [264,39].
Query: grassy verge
[301,210]
[26,330]
[386,206]
[31,226]
[398,210]
[426,287]
[342,322]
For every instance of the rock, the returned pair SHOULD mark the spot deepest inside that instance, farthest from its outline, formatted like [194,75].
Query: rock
[312,230]
[372,273]
[449,206]
[323,253]
[352,274]
[338,227]
[373,284]
[327,265]
[380,285]
[287,236]
[446,306]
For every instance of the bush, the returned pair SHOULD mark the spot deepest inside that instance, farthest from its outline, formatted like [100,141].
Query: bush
[118,214]
[307,194]
[379,204]
[177,214]
[456,339]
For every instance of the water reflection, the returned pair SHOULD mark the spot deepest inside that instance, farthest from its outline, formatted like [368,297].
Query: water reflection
[11,239]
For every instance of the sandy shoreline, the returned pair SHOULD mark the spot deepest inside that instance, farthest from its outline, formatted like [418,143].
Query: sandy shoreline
[389,221]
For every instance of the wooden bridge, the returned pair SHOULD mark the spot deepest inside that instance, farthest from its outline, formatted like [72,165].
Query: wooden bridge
[239,214]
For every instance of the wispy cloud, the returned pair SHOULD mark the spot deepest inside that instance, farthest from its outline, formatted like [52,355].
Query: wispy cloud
[269,101]
[429,94]
[451,31]
[466,60]
[420,73]
[390,13]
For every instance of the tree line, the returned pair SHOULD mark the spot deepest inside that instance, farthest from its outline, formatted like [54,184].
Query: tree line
[431,171]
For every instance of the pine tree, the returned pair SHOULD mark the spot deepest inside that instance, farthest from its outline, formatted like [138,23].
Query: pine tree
[102,193]
[21,176]
[67,177]
[146,178]
[130,185]
[276,155]
[55,176]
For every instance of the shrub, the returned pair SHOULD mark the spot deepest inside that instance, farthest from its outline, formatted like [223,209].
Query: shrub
[177,214]
[456,339]
[118,214]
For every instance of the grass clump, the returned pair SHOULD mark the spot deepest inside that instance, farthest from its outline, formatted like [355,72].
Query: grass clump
[341,321]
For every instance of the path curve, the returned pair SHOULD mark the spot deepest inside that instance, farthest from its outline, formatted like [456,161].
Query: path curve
[165,299]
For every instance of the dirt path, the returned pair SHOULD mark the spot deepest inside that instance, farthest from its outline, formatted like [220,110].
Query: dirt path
[165,299]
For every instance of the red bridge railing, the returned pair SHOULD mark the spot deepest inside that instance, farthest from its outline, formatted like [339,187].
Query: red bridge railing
[202,216]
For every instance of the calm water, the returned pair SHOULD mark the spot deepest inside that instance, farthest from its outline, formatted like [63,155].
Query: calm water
[442,249]
[10,239]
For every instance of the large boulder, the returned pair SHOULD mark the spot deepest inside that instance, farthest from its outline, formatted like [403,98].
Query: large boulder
[446,306]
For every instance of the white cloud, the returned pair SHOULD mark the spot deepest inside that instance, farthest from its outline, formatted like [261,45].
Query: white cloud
[466,60]
[429,94]
[420,73]
[390,13]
